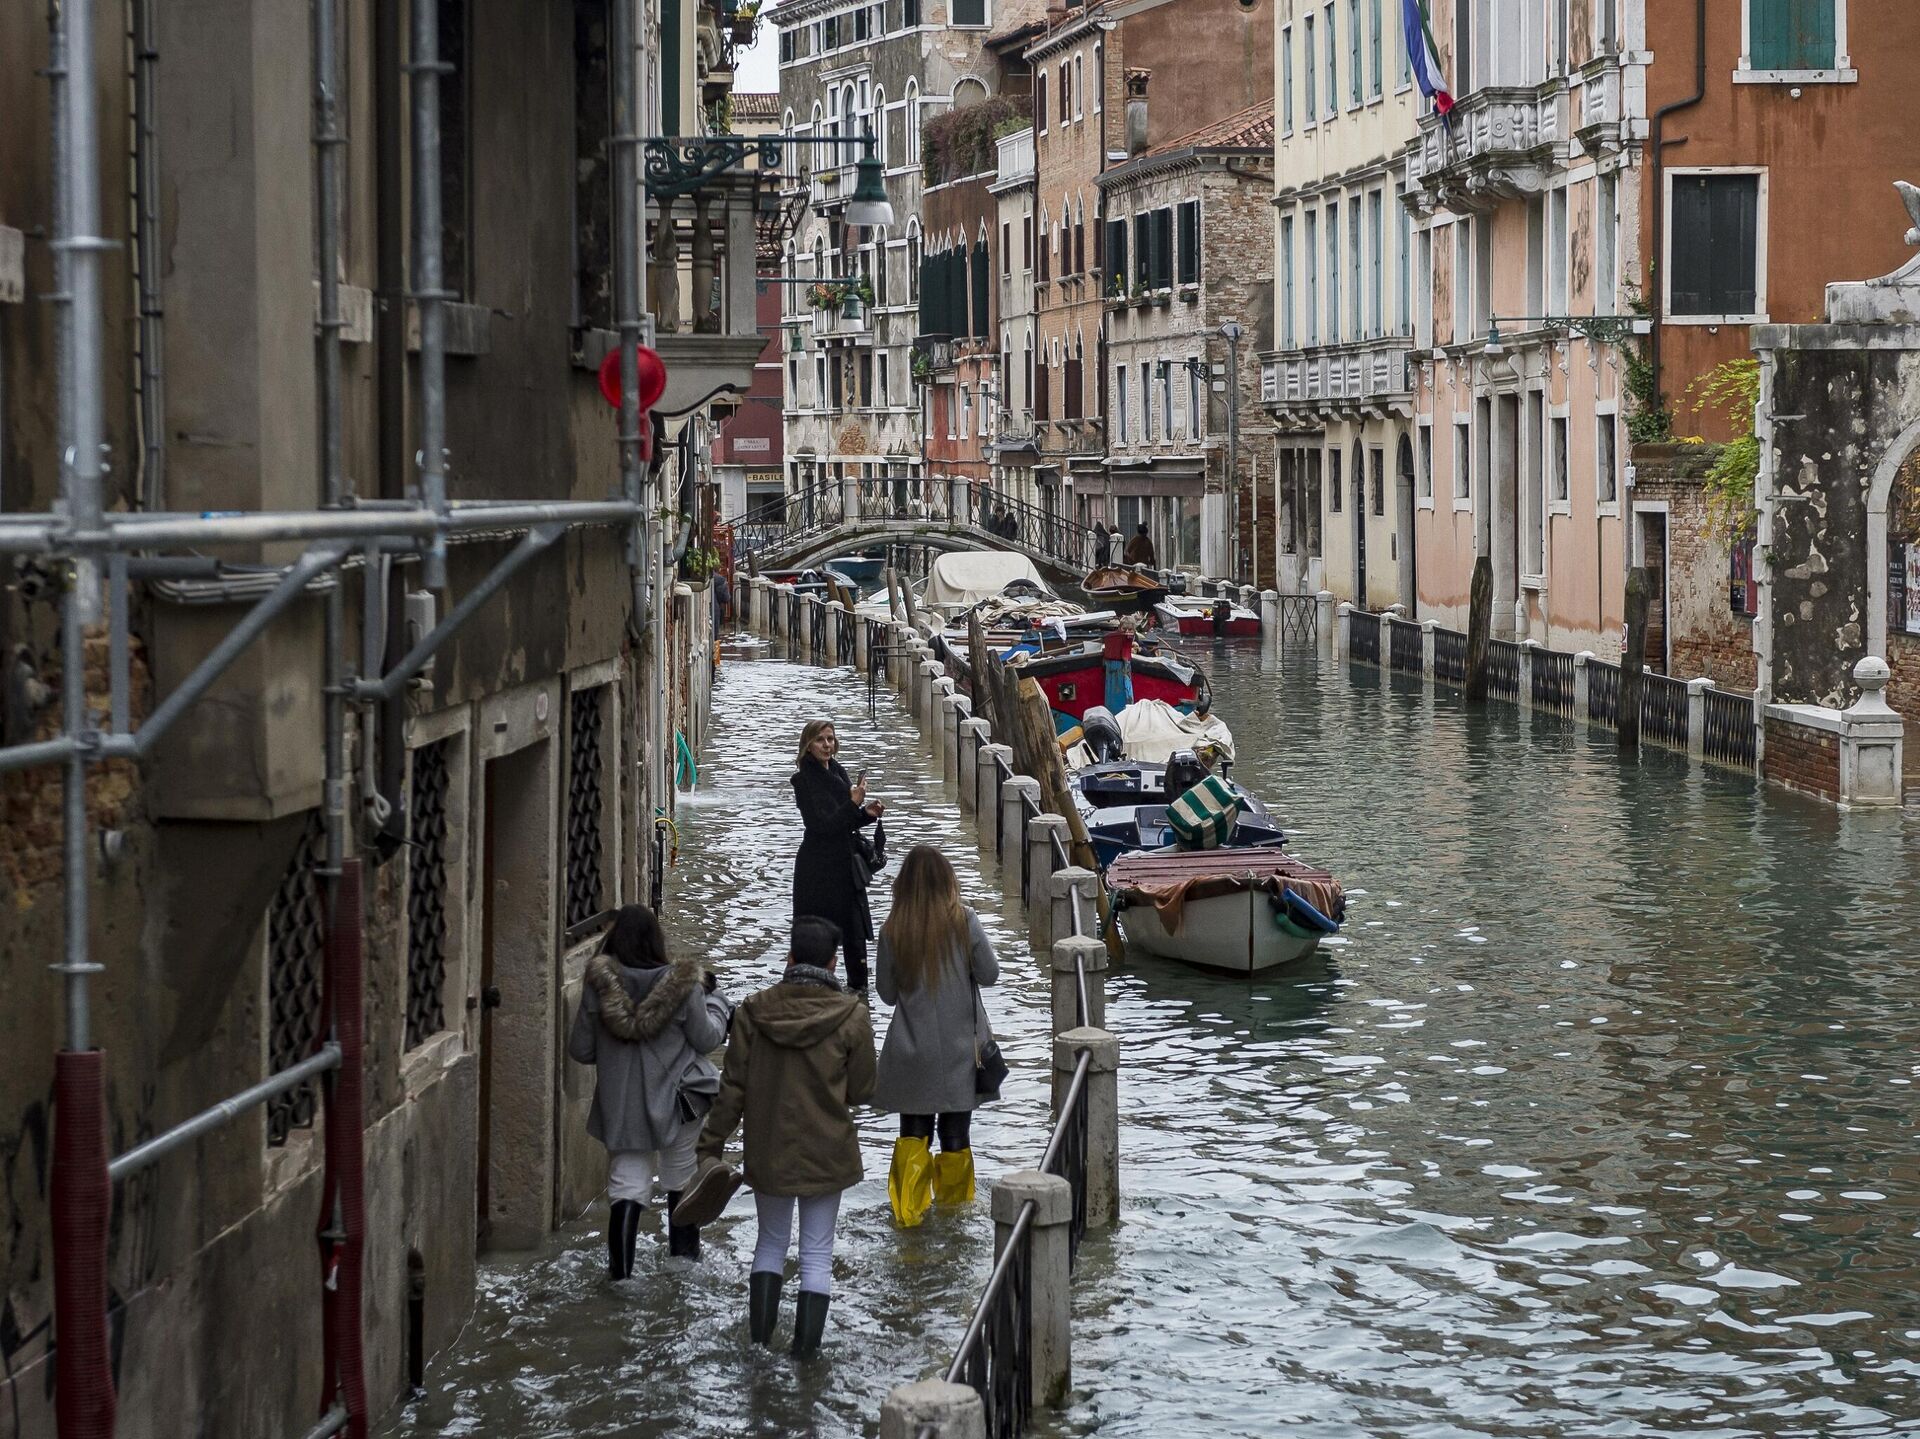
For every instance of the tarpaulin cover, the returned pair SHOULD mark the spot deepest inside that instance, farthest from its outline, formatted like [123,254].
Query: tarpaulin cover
[967,577]
[1168,880]
[1151,730]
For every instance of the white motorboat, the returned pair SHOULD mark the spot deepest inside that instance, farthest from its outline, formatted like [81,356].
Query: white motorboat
[1237,910]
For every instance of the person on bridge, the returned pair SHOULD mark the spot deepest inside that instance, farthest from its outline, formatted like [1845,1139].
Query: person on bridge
[1102,546]
[932,961]
[829,878]
[801,1055]
[1140,549]
[646,1024]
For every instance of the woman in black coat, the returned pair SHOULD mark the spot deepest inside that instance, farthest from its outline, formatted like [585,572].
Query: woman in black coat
[825,882]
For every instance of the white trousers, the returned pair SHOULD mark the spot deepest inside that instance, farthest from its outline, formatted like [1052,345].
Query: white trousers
[817,1215]
[640,1174]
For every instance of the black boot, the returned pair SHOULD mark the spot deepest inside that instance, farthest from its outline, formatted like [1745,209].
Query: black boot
[809,1323]
[623,1227]
[763,1305]
[683,1240]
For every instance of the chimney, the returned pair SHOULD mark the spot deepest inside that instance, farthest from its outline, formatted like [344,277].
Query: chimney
[1137,111]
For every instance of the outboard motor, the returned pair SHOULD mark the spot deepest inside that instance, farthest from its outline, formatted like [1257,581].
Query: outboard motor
[1101,731]
[1184,771]
[1222,612]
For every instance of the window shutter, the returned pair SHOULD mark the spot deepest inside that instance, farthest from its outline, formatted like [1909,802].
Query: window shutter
[1734,242]
[981,324]
[1771,26]
[1117,250]
[1162,249]
[1813,42]
[1190,243]
[1142,248]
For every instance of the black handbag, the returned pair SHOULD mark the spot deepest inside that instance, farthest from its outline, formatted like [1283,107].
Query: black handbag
[869,853]
[989,1069]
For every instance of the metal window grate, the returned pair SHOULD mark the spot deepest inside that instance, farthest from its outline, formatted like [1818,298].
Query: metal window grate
[427,893]
[296,965]
[584,847]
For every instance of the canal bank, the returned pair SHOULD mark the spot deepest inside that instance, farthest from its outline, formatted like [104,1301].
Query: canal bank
[1594,1122]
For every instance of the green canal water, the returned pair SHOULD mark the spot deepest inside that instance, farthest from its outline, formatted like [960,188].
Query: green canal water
[1598,1120]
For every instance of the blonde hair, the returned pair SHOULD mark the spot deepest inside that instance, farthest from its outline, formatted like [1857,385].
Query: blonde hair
[928,921]
[812,731]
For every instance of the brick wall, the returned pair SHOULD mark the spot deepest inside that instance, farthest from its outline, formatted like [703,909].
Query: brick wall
[1705,636]
[1804,759]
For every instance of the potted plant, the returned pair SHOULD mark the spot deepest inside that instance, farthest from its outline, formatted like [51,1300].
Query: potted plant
[1139,292]
[853,295]
[823,296]
[1117,288]
[699,564]
[922,367]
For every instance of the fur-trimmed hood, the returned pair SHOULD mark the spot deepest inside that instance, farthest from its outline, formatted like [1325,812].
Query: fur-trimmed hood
[637,1022]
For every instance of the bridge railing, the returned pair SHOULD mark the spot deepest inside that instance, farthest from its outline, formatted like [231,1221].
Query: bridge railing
[812,510]
[1061,539]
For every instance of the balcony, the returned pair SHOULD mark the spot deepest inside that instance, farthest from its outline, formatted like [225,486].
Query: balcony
[1368,377]
[1015,159]
[1016,432]
[1504,143]
[701,251]
[1600,111]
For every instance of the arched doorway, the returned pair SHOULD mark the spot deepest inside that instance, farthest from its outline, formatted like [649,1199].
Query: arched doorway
[1358,471]
[1403,509]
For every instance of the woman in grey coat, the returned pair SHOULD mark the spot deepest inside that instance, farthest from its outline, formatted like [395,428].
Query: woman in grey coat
[932,960]
[646,1025]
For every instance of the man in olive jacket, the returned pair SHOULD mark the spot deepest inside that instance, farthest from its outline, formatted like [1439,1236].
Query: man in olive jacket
[801,1054]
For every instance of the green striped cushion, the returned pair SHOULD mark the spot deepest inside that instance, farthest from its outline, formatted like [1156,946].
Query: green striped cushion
[1204,816]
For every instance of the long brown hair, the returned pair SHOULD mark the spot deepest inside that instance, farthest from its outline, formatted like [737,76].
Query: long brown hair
[928,921]
[813,730]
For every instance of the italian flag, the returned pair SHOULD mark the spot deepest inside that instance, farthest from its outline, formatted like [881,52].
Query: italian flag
[1425,57]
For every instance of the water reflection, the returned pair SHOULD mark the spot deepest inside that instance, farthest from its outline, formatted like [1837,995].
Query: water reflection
[1596,1121]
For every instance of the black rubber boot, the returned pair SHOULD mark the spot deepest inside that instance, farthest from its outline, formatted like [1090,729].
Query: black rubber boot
[809,1323]
[683,1240]
[623,1227]
[763,1305]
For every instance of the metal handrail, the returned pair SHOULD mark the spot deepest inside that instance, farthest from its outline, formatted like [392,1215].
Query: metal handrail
[141,1155]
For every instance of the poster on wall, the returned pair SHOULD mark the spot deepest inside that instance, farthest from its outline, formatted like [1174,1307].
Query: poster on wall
[1911,587]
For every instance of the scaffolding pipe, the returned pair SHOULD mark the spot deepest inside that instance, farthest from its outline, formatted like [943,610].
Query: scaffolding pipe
[223,1113]
[327,142]
[424,71]
[152,409]
[133,532]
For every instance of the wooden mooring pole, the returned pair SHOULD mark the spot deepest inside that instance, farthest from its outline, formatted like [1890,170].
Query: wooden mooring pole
[1633,660]
[1479,625]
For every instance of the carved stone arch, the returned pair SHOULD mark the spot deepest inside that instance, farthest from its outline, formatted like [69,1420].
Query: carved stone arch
[1904,448]
[970,90]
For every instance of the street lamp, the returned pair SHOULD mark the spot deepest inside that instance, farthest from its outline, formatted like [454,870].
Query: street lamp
[1232,334]
[681,164]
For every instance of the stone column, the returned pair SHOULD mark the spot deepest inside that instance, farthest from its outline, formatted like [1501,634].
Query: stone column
[933,1406]
[986,792]
[1041,832]
[1582,684]
[1872,740]
[1049,1273]
[1323,622]
[1270,621]
[1697,691]
[1089,955]
[1103,1115]
[1013,827]
[975,735]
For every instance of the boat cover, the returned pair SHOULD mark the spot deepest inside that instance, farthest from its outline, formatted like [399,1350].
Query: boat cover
[967,577]
[1151,730]
[1168,879]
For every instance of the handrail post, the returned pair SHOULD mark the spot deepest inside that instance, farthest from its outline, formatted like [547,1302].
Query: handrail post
[1529,657]
[925,673]
[1270,622]
[939,718]
[1042,833]
[933,1409]
[987,792]
[1102,1098]
[1013,827]
[1697,717]
[975,735]
[1583,686]
[1062,887]
[956,713]
[861,654]
[1049,1274]
[1078,956]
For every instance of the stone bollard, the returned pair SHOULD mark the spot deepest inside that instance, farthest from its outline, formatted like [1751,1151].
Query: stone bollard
[953,754]
[1529,656]
[1062,885]
[1049,1275]
[860,645]
[1013,827]
[1323,622]
[1343,631]
[1041,833]
[975,735]
[1872,740]
[986,793]
[1249,598]
[940,721]
[1270,621]
[933,1407]
[1089,955]
[1583,686]
[1103,1115]
[1697,691]
[920,703]
[1427,627]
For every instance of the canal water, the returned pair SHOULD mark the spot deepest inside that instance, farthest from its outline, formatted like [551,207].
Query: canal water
[1598,1120]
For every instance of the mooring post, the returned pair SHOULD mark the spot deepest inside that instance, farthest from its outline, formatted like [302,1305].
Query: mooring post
[1064,885]
[1042,830]
[1074,955]
[1343,631]
[1633,659]
[987,793]
[940,720]
[953,766]
[1103,1114]
[1049,1274]
[1323,623]
[975,735]
[1479,631]
[1270,620]
[1529,657]
[935,1407]
[1697,691]
[1013,827]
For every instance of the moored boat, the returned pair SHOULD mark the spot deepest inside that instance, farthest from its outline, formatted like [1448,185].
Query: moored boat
[1241,911]
[1198,616]
[1124,588]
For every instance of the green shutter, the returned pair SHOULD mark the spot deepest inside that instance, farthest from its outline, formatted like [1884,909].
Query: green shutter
[1792,34]
[1813,44]
[670,67]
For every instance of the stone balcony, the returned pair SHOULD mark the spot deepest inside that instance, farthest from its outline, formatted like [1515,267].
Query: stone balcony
[701,261]
[1365,377]
[1599,112]
[1503,143]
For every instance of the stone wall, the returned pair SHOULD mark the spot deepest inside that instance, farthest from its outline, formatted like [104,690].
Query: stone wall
[1802,758]
[1705,635]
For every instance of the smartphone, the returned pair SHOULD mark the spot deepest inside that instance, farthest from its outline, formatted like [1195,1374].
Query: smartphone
[861,781]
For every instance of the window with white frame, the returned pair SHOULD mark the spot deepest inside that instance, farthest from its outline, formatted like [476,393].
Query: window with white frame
[1079,86]
[1462,279]
[1462,459]
[969,14]
[1375,34]
[1332,60]
[1356,270]
[1356,71]
[1426,467]
[1146,401]
[1286,79]
[1716,246]
[1166,398]
[1403,270]
[1312,249]
[1333,272]
[1121,417]
[1794,40]
[1286,283]
[1310,73]
[1196,400]
[1534,458]
[1099,75]
[1376,259]
[1557,252]
[912,105]
[1557,475]
[1423,290]
[1606,459]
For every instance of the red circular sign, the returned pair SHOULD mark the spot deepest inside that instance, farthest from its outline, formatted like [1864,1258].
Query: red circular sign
[653,377]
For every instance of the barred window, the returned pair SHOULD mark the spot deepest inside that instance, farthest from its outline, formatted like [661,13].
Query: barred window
[585,858]
[427,893]
[296,950]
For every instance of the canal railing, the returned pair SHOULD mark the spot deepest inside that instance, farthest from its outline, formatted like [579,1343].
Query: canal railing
[1015,1352]
[1693,716]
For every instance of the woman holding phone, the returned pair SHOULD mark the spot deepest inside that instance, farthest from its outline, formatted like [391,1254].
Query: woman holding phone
[826,879]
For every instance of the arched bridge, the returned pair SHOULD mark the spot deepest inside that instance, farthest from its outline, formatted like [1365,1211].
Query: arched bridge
[837,517]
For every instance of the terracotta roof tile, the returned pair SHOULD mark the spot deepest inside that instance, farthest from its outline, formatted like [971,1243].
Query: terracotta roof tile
[762,105]
[1249,129]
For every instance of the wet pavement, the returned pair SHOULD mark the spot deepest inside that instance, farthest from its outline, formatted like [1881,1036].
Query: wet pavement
[1598,1120]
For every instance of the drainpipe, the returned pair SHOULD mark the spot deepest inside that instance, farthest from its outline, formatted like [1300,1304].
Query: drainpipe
[429,293]
[385,587]
[151,410]
[1659,145]
[327,145]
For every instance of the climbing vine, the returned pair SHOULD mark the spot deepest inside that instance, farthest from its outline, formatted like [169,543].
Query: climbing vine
[1733,389]
[1649,421]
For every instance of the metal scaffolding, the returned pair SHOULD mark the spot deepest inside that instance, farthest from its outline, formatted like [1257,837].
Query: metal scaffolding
[102,554]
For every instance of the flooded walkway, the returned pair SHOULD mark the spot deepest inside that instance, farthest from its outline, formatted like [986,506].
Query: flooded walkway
[1599,1119]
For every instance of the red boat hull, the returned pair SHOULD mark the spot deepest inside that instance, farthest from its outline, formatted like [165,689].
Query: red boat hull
[1201,627]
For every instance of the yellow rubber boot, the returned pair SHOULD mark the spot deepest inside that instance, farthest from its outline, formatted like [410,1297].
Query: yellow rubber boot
[910,1180]
[953,1177]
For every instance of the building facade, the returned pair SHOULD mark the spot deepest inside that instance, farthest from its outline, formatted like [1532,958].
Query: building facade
[1340,380]
[1014,435]
[1188,305]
